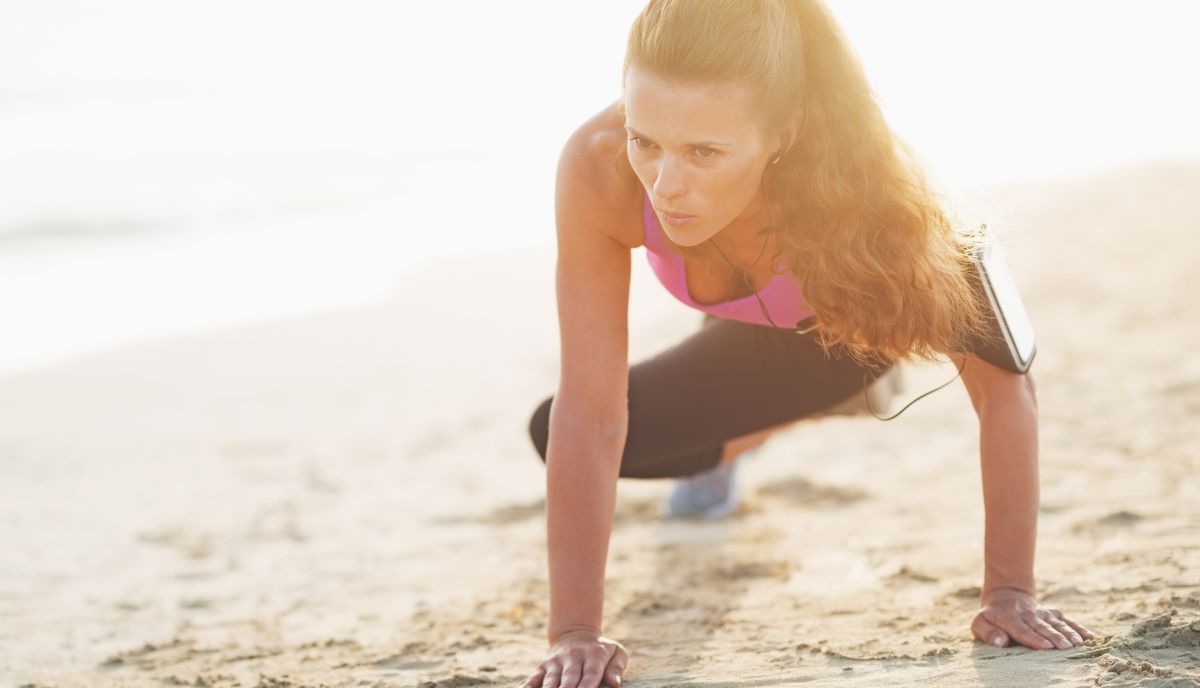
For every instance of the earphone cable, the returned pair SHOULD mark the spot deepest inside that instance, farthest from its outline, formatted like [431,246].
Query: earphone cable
[767,315]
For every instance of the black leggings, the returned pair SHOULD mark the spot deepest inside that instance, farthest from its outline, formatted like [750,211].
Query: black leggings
[727,380]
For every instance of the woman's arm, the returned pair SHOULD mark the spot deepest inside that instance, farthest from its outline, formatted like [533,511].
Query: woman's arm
[589,414]
[1006,404]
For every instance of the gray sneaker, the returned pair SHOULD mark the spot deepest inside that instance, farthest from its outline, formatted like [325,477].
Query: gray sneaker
[710,494]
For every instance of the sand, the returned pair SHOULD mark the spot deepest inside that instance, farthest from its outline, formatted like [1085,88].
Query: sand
[351,499]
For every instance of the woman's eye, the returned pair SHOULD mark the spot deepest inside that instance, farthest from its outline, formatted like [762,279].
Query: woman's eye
[706,153]
[639,142]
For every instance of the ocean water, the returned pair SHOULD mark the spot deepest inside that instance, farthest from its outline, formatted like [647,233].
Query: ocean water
[173,167]
[169,167]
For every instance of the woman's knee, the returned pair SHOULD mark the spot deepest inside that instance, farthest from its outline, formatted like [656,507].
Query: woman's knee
[636,462]
[539,427]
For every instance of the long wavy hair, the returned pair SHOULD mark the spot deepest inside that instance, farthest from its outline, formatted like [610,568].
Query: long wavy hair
[879,263]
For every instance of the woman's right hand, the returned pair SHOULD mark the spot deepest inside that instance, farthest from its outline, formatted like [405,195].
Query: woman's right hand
[581,659]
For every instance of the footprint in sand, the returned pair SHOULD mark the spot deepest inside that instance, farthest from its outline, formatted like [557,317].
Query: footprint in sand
[514,513]
[458,681]
[906,574]
[1191,601]
[631,511]
[152,655]
[1117,519]
[193,545]
[803,492]
[644,605]
[281,681]
[971,592]
[627,511]
[778,570]
[403,663]
[1162,631]
[500,516]
[1063,593]
[1161,650]
[1121,518]
[1182,388]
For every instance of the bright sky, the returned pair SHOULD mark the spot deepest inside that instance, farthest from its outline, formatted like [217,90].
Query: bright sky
[352,139]
[985,91]
[1029,89]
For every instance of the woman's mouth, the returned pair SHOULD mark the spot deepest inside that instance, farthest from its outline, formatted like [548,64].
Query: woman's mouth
[676,220]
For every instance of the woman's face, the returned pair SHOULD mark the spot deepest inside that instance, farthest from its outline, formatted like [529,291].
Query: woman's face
[699,151]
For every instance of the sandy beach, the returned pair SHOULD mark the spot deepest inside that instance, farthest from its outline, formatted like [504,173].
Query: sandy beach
[351,498]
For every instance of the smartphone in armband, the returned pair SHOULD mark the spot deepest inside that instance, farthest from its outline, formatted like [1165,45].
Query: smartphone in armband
[1013,345]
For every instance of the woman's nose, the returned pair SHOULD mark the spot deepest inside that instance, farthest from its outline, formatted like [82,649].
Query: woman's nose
[670,182]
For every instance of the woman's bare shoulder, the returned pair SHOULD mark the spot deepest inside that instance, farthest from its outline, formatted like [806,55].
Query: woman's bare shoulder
[595,174]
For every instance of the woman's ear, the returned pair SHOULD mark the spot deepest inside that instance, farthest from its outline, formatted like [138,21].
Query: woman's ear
[797,125]
[790,133]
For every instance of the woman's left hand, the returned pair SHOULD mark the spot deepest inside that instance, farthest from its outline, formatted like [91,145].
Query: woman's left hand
[1012,615]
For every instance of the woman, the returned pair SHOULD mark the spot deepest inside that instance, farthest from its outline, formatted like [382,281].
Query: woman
[749,157]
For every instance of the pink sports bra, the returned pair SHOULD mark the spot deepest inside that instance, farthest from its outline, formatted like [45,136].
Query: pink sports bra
[781,295]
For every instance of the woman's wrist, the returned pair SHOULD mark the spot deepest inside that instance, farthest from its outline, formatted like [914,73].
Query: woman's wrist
[558,632]
[993,590]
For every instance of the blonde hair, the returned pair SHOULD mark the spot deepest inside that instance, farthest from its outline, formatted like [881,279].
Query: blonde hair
[878,261]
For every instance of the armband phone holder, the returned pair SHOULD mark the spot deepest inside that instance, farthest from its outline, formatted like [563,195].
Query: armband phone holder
[1011,344]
